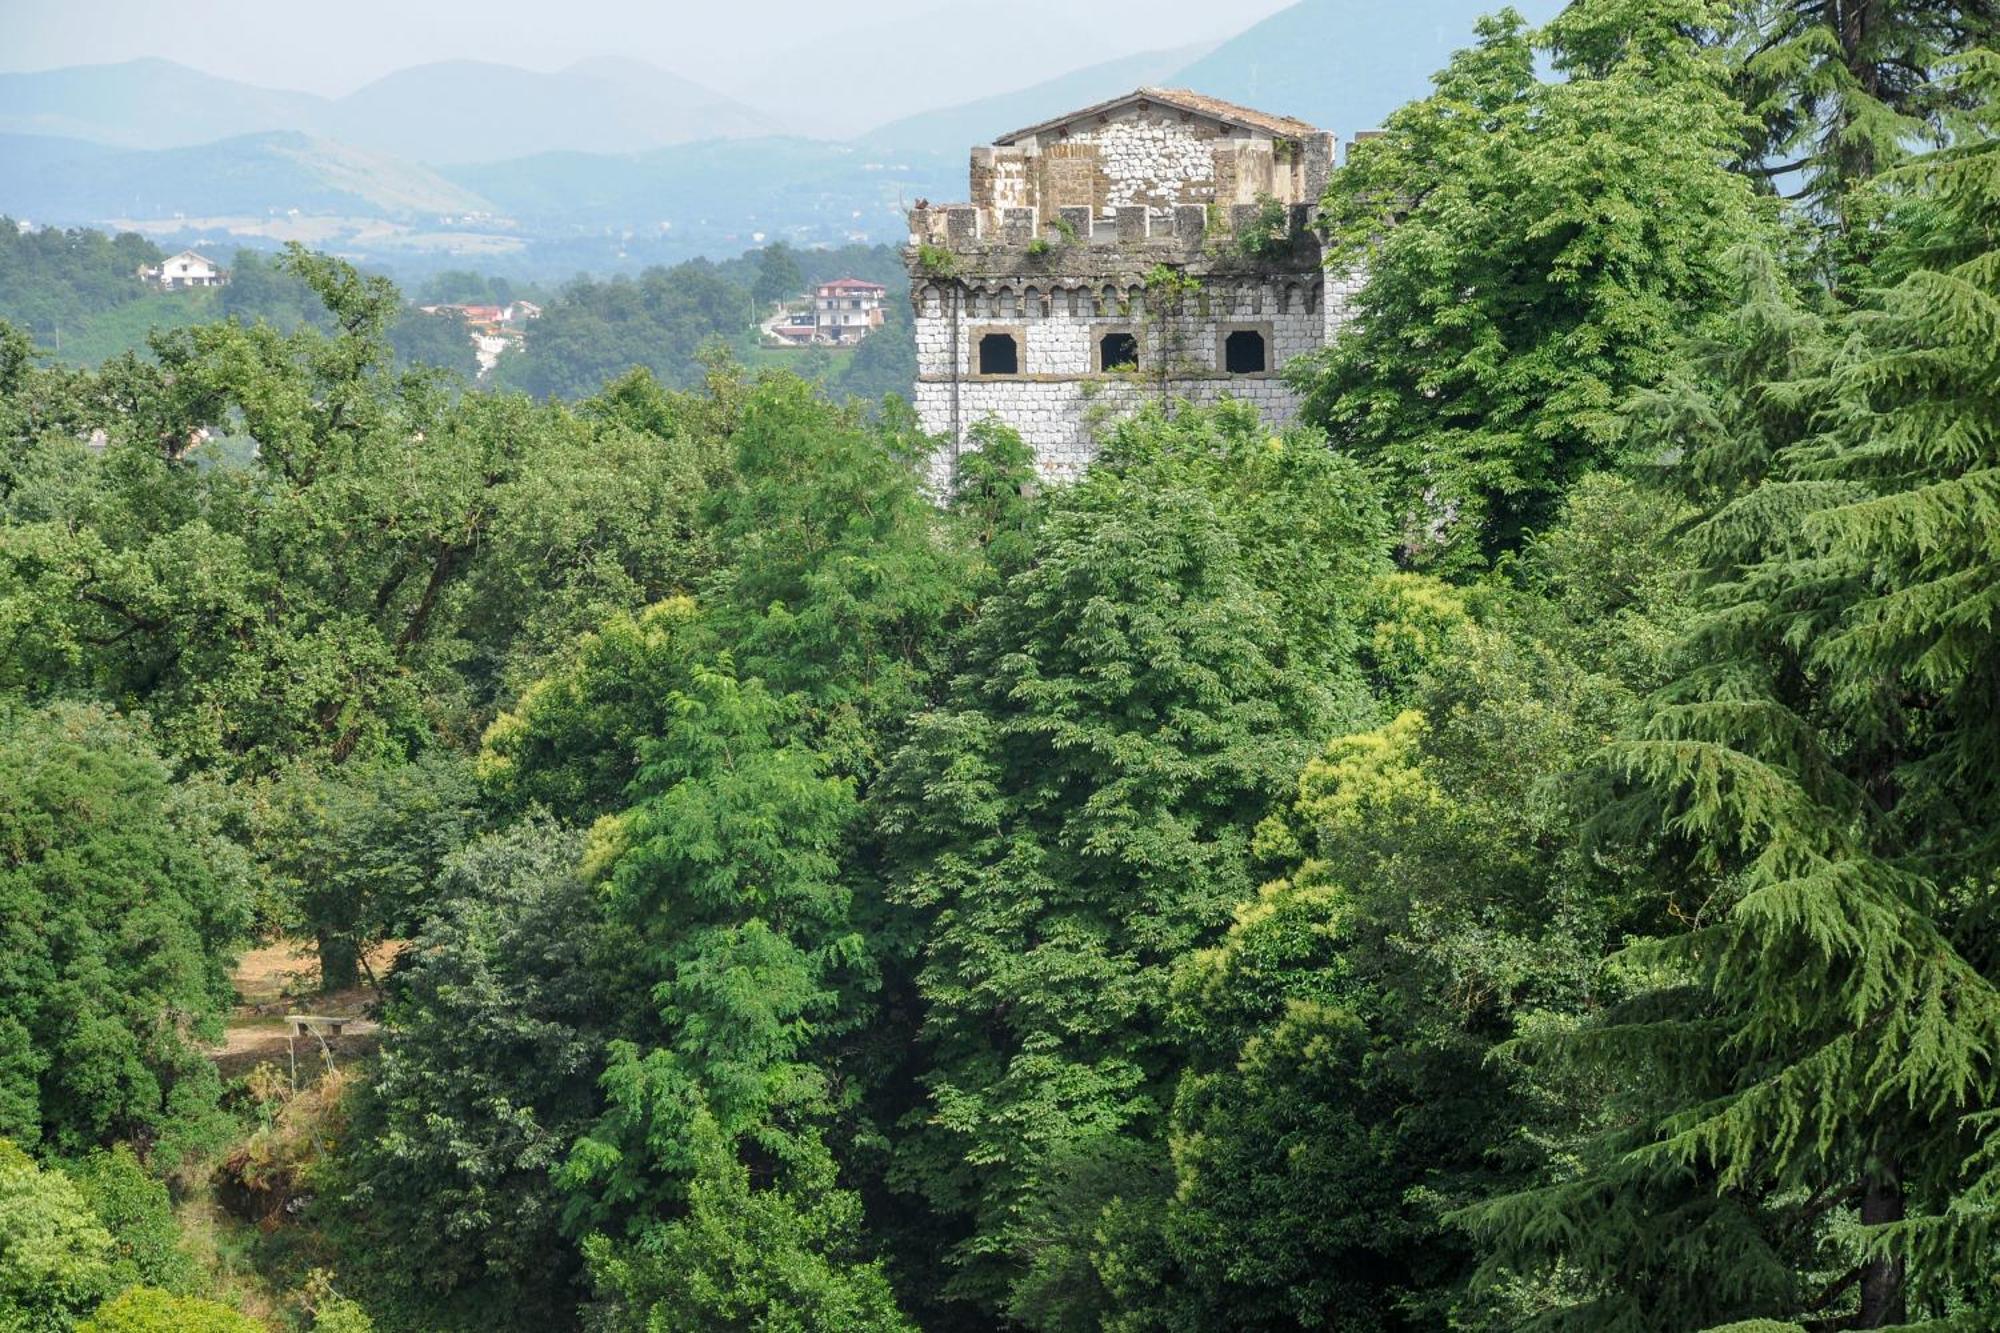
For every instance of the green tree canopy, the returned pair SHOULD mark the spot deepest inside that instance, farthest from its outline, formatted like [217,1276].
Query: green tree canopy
[54,1256]
[724,888]
[1530,249]
[1842,92]
[151,1310]
[136,1210]
[1079,811]
[488,1074]
[1811,1051]
[778,276]
[121,905]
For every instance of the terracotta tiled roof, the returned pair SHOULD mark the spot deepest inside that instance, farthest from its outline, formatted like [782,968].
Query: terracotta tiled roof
[1183,99]
[852,284]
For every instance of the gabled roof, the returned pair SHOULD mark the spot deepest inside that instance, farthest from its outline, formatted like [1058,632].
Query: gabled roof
[1183,99]
[852,284]
[190,254]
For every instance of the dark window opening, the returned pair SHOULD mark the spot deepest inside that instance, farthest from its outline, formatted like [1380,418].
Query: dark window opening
[1243,352]
[998,355]
[1118,351]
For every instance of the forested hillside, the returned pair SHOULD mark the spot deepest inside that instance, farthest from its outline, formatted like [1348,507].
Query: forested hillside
[77,294]
[667,319]
[1516,850]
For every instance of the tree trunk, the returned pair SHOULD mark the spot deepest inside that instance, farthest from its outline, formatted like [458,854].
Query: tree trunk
[339,962]
[1882,1299]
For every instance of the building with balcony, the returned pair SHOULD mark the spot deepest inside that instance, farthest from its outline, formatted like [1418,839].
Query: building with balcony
[847,310]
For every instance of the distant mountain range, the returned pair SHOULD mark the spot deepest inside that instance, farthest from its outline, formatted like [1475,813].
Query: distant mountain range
[611,159]
[451,112]
[463,111]
[802,189]
[954,129]
[146,104]
[1344,65]
[545,215]
[251,174]
[837,87]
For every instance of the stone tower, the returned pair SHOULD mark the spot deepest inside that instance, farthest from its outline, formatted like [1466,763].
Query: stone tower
[1155,245]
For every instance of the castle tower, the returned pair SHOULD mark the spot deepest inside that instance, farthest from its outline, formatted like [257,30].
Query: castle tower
[1153,246]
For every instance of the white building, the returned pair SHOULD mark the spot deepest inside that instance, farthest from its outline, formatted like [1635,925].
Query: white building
[1041,303]
[186,269]
[847,310]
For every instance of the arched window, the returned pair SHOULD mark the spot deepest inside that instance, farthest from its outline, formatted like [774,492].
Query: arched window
[1118,351]
[999,354]
[1243,352]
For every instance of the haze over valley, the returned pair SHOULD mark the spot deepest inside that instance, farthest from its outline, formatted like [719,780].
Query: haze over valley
[814,135]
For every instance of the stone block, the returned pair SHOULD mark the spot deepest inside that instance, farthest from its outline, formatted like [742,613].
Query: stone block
[1017,225]
[981,177]
[1079,217]
[1132,223]
[961,224]
[1318,151]
[1190,224]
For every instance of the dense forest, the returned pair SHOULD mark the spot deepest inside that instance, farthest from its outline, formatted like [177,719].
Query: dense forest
[76,293]
[1517,850]
[674,321]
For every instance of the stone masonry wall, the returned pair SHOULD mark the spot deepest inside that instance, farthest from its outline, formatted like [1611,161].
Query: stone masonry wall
[1066,225]
[1060,400]
[1144,153]
[1061,419]
[1155,160]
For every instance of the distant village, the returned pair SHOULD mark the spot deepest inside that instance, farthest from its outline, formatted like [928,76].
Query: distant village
[493,328]
[839,313]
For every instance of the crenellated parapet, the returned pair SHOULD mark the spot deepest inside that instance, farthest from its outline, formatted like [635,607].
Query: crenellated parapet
[1157,245]
[1036,297]
[1269,232]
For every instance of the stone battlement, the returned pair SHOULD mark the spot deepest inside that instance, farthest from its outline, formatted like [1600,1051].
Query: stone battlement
[1157,149]
[1074,234]
[1156,246]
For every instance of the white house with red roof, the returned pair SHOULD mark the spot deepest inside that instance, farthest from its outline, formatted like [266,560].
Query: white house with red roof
[847,310]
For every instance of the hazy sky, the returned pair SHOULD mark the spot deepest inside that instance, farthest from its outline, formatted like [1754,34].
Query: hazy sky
[332,46]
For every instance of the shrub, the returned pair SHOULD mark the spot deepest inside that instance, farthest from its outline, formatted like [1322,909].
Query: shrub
[151,1310]
[937,262]
[54,1261]
[135,1209]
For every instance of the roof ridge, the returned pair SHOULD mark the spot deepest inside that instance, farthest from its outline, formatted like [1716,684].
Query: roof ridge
[1186,99]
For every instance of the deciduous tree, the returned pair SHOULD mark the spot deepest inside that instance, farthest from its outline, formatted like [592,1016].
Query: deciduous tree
[1530,249]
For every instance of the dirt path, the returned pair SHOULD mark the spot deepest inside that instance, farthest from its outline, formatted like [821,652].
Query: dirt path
[281,979]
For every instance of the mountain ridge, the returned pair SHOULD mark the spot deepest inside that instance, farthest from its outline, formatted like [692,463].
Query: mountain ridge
[955,128]
[1281,63]
[442,112]
[70,180]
